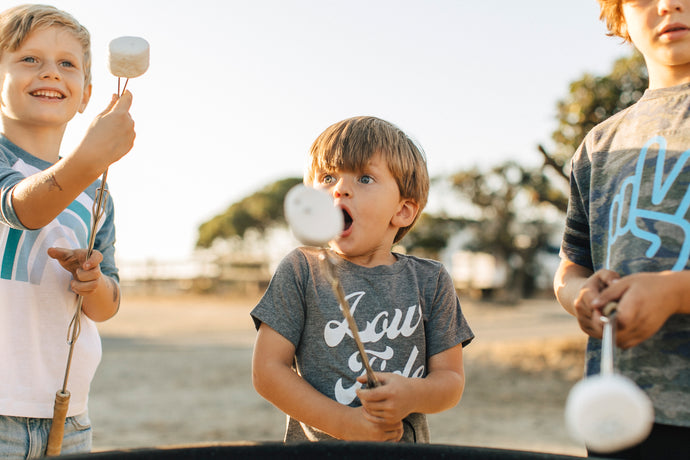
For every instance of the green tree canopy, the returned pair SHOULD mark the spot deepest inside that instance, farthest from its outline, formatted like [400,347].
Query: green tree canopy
[258,211]
[593,99]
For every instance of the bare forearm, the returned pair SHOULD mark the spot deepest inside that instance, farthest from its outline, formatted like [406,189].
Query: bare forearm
[440,390]
[568,283]
[40,198]
[104,302]
[297,398]
[679,284]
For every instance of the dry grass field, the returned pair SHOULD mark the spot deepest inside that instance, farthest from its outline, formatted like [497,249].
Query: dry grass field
[177,371]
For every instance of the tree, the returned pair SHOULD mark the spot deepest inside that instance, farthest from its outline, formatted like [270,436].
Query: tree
[512,200]
[511,222]
[590,101]
[259,211]
[431,233]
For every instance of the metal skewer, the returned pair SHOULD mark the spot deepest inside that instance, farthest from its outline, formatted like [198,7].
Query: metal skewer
[608,339]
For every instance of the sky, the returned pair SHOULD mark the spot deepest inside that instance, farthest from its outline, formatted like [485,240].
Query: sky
[237,91]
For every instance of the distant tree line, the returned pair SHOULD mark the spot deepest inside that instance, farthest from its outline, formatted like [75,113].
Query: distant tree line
[509,201]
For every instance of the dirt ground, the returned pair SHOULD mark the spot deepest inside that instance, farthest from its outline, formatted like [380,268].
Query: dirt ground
[177,371]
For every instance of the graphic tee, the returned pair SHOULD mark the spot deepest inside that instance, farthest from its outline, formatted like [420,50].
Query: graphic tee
[628,212]
[405,313]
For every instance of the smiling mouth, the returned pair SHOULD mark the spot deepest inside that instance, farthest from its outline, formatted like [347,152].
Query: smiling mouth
[48,94]
[347,219]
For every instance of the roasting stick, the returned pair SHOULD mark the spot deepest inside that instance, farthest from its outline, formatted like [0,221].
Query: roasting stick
[128,58]
[57,427]
[315,221]
[327,258]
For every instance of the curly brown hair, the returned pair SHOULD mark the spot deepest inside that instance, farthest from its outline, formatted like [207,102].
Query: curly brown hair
[612,14]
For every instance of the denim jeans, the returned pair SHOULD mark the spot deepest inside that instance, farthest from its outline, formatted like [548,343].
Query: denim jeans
[22,438]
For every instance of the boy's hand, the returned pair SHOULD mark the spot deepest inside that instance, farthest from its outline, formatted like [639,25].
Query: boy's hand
[388,403]
[111,134]
[587,312]
[645,302]
[361,428]
[85,273]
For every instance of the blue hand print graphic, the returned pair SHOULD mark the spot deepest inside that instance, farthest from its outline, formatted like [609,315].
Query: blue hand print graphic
[626,211]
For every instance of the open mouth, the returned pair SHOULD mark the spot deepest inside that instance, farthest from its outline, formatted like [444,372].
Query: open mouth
[347,218]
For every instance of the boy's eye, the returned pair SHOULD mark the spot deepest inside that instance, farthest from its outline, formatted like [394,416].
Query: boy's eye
[29,59]
[66,64]
[366,179]
[327,179]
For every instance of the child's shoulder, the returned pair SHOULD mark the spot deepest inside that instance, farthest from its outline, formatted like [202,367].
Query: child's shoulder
[299,256]
[407,258]
[420,264]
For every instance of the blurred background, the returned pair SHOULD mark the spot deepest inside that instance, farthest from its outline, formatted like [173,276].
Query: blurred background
[238,90]
[499,95]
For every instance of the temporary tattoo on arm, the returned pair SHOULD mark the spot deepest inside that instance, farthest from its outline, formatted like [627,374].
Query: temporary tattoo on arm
[116,293]
[53,183]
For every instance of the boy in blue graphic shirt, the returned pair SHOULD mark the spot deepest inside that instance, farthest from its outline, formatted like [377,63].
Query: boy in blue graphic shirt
[406,309]
[45,220]
[627,235]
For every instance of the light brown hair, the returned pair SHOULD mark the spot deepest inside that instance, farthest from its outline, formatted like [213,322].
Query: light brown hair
[18,22]
[349,144]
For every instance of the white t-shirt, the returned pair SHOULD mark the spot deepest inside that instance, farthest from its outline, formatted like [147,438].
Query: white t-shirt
[36,303]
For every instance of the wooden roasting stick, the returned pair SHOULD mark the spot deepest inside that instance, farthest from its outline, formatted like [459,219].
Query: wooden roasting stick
[326,257]
[315,221]
[57,426]
[128,58]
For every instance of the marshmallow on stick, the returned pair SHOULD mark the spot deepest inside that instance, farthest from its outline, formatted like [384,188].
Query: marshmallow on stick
[313,218]
[128,57]
[608,413]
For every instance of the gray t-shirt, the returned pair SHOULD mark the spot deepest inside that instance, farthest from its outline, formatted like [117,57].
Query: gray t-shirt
[628,213]
[405,313]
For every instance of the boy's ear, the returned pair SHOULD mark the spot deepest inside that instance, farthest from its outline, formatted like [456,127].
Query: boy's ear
[406,213]
[85,99]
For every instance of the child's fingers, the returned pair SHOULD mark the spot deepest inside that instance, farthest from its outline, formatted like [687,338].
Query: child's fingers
[57,253]
[112,103]
[118,104]
[84,287]
[124,103]
[93,261]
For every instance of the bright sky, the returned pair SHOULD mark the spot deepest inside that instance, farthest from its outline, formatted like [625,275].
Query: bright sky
[237,90]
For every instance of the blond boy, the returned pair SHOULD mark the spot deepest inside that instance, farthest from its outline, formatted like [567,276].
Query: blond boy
[45,219]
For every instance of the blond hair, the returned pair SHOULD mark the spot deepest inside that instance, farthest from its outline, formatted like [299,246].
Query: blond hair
[349,144]
[611,12]
[18,22]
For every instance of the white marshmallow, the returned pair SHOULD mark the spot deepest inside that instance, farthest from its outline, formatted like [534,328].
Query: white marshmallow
[608,413]
[312,216]
[128,57]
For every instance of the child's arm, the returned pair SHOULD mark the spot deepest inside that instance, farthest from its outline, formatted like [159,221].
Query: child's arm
[275,380]
[576,287]
[399,396]
[101,293]
[39,198]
